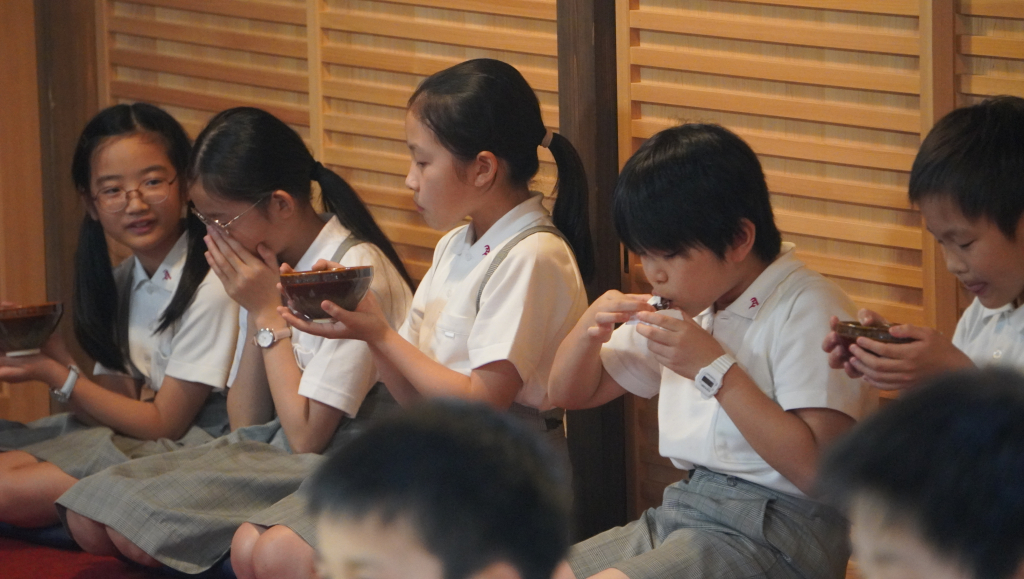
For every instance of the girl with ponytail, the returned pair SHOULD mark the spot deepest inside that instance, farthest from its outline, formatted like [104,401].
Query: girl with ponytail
[292,395]
[158,322]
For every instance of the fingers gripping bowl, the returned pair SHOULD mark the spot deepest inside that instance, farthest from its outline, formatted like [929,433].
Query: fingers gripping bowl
[850,331]
[306,290]
[24,329]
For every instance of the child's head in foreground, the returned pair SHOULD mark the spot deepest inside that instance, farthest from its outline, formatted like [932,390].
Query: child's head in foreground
[967,181]
[446,489]
[934,483]
[695,188]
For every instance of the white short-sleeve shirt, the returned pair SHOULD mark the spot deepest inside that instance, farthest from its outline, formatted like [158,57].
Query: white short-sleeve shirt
[196,348]
[992,337]
[774,330]
[528,306]
[339,373]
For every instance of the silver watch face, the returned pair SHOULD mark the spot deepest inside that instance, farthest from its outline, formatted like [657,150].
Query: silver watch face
[265,338]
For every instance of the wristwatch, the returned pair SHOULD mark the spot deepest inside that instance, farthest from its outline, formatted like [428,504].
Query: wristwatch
[64,394]
[267,337]
[709,379]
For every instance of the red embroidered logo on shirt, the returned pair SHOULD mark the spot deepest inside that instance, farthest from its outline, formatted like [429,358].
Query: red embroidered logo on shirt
[167,275]
[753,303]
[487,249]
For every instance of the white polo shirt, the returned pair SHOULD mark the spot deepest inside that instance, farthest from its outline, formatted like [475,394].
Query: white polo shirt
[528,306]
[339,373]
[774,330]
[196,348]
[992,337]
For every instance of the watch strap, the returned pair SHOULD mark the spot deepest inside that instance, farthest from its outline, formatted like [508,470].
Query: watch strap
[710,378]
[64,394]
[277,334]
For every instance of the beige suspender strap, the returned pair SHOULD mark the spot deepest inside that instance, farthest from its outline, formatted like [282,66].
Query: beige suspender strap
[503,253]
[350,242]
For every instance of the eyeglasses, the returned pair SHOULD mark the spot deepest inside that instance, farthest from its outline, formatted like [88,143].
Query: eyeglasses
[216,222]
[152,191]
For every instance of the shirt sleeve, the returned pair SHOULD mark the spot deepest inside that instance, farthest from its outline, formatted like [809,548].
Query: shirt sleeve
[629,362]
[203,345]
[802,377]
[530,303]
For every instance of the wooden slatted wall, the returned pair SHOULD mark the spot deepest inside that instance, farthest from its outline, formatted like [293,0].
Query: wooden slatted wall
[830,100]
[373,54]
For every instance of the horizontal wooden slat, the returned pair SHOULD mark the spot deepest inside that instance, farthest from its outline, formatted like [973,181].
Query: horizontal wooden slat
[367,160]
[779,106]
[533,9]
[777,31]
[420,236]
[441,32]
[997,8]
[895,7]
[211,69]
[854,230]
[857,155]
[992,46]
[390,197]
[250,9]
[862,269]
[893,312]
[366,92]
[991,85]
[777,69]
[835,190]
[293,114]
[275,44]
[540,79]
[365,125]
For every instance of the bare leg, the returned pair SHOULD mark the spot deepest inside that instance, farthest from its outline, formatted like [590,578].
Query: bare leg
[563,571]
[91,535]
[610,574]
[28,489]
[131,551]
[280,553]
[242,546]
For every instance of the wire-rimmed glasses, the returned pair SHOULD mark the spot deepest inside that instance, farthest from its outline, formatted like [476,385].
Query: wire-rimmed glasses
[152,191]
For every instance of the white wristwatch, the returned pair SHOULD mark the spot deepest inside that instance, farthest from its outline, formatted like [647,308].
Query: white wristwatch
[64,394]
[709,379]
[267,337]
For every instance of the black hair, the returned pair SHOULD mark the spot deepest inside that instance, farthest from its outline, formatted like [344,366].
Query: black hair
[975,157]
[477,487]
[246,153]
[487,105]
[96,295]
[690,186]
[948,459]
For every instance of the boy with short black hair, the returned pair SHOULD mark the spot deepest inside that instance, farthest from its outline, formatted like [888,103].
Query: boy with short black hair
[967,181]
[932,482]
[746,400]
[445,490]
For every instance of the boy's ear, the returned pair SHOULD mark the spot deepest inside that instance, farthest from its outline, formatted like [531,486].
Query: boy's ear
[497,570]
[484,169]
[743,243]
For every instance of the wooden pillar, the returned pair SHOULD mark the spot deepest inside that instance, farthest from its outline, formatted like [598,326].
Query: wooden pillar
[587,105]
[938,97]
[22,258]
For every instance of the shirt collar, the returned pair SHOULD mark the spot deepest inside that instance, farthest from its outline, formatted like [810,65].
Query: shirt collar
[517,219]
[168,273]
[326,242]
[987,313]
[748,304]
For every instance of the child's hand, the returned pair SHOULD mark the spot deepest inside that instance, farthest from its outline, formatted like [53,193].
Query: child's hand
[614,307]
[897,366]
[250,280]
[838,354]
[367,323]
[35,367]
[680,345]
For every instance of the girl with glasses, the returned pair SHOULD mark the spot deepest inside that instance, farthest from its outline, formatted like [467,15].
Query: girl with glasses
[159,325]
[292,395]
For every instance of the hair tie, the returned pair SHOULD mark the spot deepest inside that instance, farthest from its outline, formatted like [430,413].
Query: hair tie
[546,142]
[314,173]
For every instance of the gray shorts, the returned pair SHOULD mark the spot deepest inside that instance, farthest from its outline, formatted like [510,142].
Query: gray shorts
[722,526]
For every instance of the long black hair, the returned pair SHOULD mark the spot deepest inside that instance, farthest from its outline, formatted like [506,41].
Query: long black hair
[487,105]
[245,153]
[95,299]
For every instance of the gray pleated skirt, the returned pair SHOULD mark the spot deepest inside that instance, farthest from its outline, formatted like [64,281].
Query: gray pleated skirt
[183,507]
[81,450]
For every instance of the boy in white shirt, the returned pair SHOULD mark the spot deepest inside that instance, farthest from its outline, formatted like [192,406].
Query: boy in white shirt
[966,180]
[746,402]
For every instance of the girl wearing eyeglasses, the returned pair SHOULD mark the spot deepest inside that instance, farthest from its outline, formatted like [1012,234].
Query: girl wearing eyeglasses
[250,180]
[159,325]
